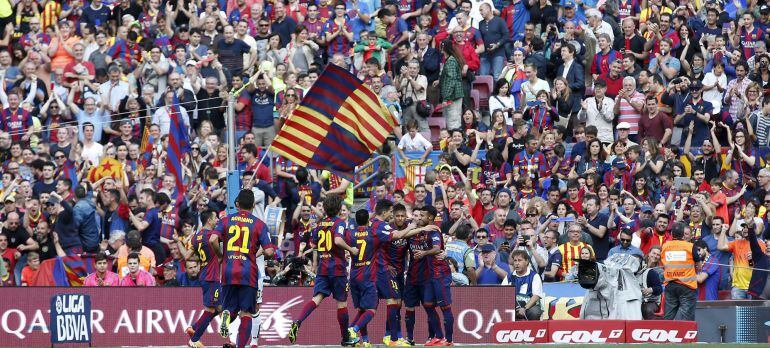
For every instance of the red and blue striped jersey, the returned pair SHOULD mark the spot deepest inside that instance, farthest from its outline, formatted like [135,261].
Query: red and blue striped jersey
[242,234]
[440,267]
[339,44]
[396,254]
[331,258]
[199,244]
[371,241]
[421,270]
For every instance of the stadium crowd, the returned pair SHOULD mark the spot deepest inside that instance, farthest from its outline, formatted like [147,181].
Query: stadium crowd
[598,127]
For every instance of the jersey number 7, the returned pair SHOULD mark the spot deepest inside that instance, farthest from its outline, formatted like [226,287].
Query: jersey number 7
[236,233]
[361,248]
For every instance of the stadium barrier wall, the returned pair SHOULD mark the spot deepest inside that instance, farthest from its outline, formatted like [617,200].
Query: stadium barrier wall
[159,316]
[596,331]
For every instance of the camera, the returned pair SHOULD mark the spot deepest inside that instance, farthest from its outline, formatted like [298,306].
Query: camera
[296,263]
[613,288]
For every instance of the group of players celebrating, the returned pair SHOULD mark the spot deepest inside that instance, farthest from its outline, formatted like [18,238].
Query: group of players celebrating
[389,257]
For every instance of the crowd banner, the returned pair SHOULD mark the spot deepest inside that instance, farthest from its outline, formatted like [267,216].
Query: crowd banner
[411,171]
[596,331]
[158,316]
[562,301]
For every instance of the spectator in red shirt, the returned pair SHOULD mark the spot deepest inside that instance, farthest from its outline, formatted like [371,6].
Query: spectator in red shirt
[655,236]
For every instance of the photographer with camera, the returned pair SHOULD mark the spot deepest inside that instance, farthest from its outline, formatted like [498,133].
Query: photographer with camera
[294,273]
[528,285]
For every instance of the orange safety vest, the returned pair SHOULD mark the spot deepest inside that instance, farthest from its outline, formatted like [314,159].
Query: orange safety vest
[678,264]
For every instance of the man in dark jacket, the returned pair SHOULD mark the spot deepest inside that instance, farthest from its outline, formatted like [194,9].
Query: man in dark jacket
[61,214]
[84,214]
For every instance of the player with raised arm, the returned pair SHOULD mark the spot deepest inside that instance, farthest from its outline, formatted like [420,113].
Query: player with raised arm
[397,251]
[199,247]
[370,277]
[244,238]
[331,277]
[422,249]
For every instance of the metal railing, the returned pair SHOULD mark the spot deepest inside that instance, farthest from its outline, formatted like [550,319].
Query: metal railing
[369,164]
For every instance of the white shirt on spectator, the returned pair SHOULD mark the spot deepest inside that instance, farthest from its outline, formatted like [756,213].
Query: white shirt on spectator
[418,143]
[119,92]
[539,85]
[714,96]
[93,153]
[497,102]
[161,117]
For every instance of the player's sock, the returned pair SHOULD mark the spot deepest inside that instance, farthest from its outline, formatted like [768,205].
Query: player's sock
[256,326]
[342,319]
[398,322]
[449,322]
[393,321]
[364,319]
[244,332]
[433,322]
[364,334]
[409,320]
[309,307]
[202,324]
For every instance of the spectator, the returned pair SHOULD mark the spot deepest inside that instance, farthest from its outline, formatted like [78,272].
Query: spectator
[491,271]
[451,84]
[136,276]
[652,287]
[528,285]
[29,273]
[552,271]
[461,252]
[708,273]
[103,276]
[84,214]
[625,246]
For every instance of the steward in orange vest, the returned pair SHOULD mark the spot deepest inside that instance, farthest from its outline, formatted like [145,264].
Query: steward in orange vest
[679,258]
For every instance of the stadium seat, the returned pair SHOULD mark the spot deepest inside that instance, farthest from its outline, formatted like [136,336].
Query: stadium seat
[436,124]
[476,99]
[484,84]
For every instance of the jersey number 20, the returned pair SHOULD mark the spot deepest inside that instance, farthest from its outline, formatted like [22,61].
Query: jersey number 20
[325,240]
[236,233]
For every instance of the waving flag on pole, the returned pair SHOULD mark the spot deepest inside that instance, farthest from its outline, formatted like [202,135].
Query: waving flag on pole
[178,146]
[338,125]
[146,147]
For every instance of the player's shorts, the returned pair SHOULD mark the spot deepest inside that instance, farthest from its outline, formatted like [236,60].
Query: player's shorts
[239,298]
[334,286]
[387,286]
[260,278]
[413,294]
[437,291]
[211,292]
[364,294]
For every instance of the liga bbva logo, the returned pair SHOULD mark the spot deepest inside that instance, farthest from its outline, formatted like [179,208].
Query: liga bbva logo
[276,320]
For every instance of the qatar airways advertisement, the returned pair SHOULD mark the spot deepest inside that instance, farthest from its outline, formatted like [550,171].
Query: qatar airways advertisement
[159,316]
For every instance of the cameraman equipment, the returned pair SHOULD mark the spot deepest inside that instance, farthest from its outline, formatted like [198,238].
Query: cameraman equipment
[613,290]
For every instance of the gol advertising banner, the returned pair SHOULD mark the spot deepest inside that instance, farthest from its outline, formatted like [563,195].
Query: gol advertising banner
[159,316]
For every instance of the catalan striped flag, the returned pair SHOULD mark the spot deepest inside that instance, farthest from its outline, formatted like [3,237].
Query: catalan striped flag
[178,146]
[146,147]
[338,125]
